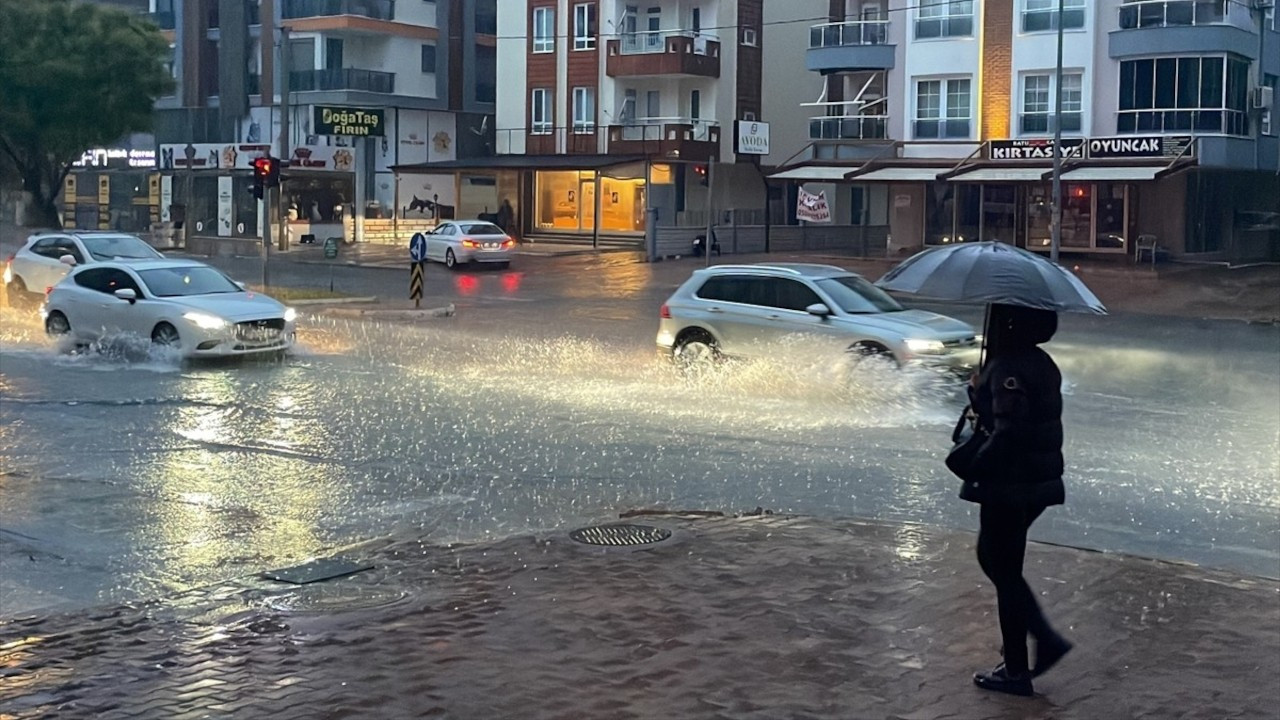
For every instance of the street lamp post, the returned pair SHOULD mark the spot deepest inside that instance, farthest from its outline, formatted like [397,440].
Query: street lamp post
[1055,242]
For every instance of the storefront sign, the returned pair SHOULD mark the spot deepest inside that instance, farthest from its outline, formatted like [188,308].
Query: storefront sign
[752,138]
[1033,149]
[225,207]
[812,208]
[355,122]
[117,158]
[217,156]
[1139,146]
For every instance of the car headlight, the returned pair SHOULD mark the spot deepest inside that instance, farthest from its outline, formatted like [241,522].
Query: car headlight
[290,314]
[206,322]
[925,347]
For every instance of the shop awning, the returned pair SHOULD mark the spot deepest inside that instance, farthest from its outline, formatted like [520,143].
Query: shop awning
[523,162]
[901,174]
[1002,174]
[815,173]
[1114,174]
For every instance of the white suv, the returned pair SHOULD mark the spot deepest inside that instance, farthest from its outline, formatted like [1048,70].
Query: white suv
[38,266]
[740,310]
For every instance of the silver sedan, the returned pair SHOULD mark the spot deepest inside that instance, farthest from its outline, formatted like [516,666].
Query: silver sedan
[455,242]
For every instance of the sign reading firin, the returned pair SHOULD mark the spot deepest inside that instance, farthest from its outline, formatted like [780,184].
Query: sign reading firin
[354,122]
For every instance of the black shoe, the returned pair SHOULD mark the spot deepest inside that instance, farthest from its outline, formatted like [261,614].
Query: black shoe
[1048,654]
[1001,680]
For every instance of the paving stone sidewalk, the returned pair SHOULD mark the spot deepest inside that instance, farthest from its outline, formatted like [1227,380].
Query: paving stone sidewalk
[753,617]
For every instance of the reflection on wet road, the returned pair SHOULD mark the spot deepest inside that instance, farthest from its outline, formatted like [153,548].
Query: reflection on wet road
[126,476]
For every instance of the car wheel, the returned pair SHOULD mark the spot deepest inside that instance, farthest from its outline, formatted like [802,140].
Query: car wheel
[695,350]
[166,335]
[450,260]
[56,324]
[871,352]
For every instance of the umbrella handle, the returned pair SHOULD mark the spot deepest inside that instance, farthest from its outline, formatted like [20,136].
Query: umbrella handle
[986,337]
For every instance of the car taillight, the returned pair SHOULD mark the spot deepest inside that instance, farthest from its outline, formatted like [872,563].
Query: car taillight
[665,312]
[509,242]
[470,244]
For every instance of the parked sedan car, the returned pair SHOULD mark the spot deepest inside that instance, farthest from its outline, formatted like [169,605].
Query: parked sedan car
[455,242]
[182,304]
[38,265]
[739,310]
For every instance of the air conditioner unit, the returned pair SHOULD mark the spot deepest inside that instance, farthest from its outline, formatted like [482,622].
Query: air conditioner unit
[1262,98]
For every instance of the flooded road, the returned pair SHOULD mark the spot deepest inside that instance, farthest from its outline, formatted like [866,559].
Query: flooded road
[125,475]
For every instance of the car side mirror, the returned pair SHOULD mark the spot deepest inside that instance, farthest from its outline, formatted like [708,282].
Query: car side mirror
[818,309]
[68,260]
[127,294]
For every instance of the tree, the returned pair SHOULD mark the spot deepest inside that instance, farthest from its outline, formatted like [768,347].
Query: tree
[73,76]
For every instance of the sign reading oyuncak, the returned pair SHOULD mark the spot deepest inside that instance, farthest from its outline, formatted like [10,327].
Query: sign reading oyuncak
[812,208]
[356,122]
[751,137]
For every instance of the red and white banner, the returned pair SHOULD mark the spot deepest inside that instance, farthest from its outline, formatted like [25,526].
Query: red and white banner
[812,208]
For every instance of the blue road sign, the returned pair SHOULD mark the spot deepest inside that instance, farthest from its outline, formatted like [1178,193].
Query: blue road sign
[418,248]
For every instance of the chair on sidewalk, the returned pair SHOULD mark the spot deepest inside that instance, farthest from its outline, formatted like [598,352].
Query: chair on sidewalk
[1149,244]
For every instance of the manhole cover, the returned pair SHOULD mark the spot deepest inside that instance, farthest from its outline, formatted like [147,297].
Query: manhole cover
[619,535]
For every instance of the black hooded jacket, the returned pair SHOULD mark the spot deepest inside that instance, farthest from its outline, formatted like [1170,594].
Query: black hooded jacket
[1018,400]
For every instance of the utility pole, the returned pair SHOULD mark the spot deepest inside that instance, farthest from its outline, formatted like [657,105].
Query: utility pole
[1055,242]
[280,215]
[711,214]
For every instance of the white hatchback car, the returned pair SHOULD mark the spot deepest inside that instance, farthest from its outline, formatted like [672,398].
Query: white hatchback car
[39,264]
[456,242]
[181,304]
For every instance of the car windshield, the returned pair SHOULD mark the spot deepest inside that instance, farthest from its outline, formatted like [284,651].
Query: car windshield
[110,247]
[187,280]
[480,229]
[857,296]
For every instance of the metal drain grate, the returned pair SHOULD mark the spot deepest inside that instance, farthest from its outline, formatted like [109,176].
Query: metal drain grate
[619,535]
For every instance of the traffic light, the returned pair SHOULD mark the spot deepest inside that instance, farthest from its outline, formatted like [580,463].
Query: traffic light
[701,172]
[266,174]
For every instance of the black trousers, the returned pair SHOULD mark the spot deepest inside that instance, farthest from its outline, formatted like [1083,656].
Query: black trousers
[1002,546]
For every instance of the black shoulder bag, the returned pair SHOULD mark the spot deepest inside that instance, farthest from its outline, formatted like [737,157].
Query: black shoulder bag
[968,437]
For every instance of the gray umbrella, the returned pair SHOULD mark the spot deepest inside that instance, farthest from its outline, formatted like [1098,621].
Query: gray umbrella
[991,272]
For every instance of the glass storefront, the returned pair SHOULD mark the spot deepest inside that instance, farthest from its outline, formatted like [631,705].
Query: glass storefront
[1096,217]
[565,201]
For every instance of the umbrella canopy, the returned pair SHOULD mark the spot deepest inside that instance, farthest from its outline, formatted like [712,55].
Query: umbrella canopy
[992,272]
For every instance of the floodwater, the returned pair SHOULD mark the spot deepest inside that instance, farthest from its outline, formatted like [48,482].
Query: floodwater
[127,474]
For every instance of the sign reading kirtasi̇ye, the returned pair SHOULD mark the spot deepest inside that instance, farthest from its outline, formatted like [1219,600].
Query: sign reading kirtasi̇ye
[355,122]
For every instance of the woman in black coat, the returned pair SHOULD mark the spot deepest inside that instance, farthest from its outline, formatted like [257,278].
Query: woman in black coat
[1017,398]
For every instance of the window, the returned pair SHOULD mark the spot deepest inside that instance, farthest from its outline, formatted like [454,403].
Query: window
[1266,121]
[540,111]
[942,108]
[187,281]
[791,295]
[584,110]
[856,295]
[1038,101]
[429,58]
[107,280]
[944,18]
[1185,94]
[584,27]
[749,36]
[544,30]
[1042,15]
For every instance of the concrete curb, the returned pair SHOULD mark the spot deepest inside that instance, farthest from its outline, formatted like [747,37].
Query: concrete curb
[393,314]
[333,301]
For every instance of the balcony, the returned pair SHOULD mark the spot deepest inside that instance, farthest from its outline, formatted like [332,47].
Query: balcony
[375,9]
[663,53]
[683,138]
[849,127]
[342,79]
[853,45]
[1168,27]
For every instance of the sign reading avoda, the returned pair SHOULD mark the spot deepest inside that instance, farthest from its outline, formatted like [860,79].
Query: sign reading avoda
[354,122]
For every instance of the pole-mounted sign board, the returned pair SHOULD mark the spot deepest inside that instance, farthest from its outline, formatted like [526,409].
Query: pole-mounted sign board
[353,122]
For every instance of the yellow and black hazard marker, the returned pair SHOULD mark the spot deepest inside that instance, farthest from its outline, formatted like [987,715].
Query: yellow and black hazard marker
[415,283]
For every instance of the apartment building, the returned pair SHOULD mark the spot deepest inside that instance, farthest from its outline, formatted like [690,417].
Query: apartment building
[345,90]
[934,123]
[610,110]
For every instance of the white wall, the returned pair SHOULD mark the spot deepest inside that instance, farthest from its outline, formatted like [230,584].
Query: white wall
[786,82]
[1037,53]
[1104,81]
[513,91]
[423,12]
[941,58]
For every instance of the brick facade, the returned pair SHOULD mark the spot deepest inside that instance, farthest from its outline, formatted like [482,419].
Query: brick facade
[995,91]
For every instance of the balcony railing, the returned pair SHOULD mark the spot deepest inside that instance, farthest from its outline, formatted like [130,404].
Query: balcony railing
[944,26]
[1183,13]
[853,32]
[376,9]
[669,128]
[849,127]
[942,129]
[1043,122]
[655,41]
[1206,120]
[342,79]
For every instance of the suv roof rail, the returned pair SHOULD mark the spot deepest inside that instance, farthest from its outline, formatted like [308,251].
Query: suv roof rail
[749,268]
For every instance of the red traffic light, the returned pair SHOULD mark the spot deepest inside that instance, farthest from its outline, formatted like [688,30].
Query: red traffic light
[262,166]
